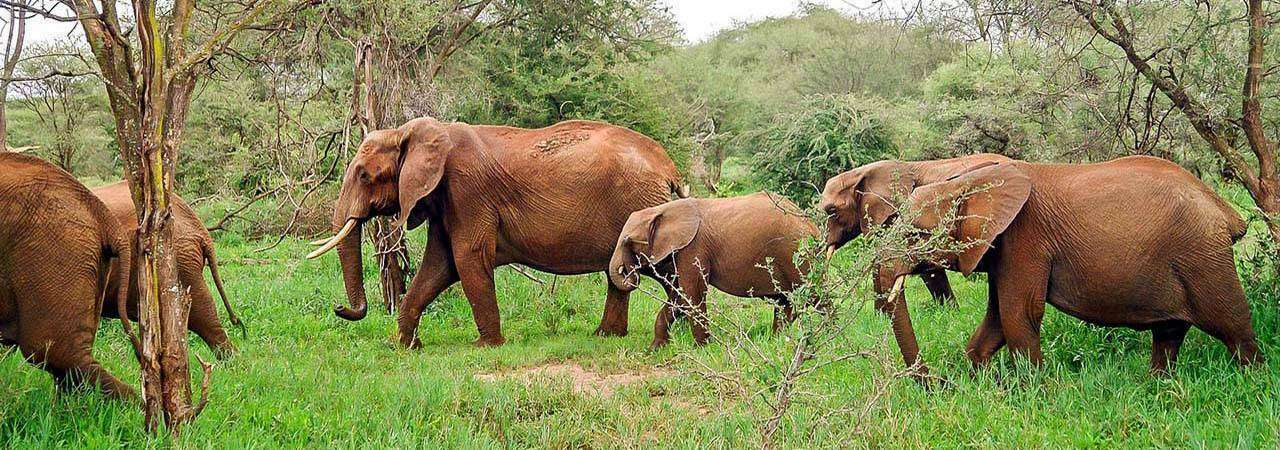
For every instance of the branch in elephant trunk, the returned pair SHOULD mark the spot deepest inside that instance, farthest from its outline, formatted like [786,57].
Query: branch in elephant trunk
[391,250]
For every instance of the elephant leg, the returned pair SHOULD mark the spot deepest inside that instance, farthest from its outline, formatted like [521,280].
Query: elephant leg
[1022,289]
[616,306]
[474,262]
[1220,309]
[693,300]
[1166,340]
[783,312]
[203,319]
[436,275]
[989,337]
[662,325]
[62,343]
[939,286]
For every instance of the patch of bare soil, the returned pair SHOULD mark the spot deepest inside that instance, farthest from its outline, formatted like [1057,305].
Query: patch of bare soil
[559,141]
[582,380]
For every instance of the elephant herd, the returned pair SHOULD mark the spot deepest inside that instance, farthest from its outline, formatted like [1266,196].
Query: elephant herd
[1135,242]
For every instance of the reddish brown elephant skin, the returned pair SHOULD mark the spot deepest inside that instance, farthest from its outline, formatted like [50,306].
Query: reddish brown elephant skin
[194,249]
[860,199]
[725,241]
[1137,242]
[551,198]
[56,244]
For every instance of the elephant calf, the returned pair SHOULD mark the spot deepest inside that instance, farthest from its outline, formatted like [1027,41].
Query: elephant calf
[56,245]
[194,250]
[741,245]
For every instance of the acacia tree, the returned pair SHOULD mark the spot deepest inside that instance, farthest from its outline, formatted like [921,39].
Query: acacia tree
[1165,67]
[53,88]
[15,30]
[149,59]
[395,66]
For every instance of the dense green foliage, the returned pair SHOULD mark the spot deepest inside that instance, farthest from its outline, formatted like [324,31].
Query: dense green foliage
[825,135]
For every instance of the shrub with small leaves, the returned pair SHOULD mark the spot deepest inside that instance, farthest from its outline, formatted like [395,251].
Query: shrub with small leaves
[826,135]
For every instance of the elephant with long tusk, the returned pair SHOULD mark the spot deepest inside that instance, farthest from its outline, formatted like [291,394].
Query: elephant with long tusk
[329,243]
[552,199]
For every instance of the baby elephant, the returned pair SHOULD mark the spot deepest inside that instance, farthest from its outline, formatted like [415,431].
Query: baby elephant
[741,245]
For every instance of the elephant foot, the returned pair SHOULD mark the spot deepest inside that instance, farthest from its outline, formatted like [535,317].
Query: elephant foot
[611,331]
[408,341]
[225,351]
[494,341]
[657,344]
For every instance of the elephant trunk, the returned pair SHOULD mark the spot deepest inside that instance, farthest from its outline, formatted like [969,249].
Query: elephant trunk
[622,273]
[895,306]
[352,273]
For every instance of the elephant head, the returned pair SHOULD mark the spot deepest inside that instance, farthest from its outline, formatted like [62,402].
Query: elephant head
[985,202]
[650,236]
[392,173]
[862,198]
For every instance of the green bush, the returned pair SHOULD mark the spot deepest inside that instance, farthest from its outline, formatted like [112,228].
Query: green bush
[825,135]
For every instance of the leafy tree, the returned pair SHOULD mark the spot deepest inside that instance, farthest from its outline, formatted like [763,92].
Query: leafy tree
[826,135]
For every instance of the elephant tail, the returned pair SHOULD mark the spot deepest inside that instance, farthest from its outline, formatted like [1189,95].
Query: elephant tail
[1236,226]
[122,249]
[212,261]
[679,188]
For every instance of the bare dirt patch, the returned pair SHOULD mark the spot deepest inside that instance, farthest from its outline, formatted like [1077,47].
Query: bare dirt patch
[582,380]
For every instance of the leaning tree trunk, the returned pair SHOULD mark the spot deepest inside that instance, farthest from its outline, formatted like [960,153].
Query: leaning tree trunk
[390,247]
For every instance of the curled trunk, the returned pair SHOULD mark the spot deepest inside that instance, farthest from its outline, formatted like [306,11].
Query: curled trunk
[621,274]
[352,276]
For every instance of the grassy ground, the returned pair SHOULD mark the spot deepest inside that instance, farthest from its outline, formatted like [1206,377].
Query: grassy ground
[306,378]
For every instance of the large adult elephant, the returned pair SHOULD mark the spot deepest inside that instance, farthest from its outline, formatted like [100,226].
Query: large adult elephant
[194,249]
[56,245]
[1137,242]
[861,199]
[552,198]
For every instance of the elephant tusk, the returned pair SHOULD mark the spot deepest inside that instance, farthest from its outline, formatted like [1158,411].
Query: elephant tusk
[897,287]
[346,229]
[831,250]
[321,241]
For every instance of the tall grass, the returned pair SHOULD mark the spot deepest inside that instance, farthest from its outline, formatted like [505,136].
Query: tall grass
[304,378]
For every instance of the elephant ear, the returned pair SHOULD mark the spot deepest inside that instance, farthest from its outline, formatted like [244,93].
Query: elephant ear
[881,184]
[673,228]
[424,148]
[989,198]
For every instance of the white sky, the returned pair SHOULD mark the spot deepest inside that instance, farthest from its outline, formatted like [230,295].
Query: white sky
[700,19]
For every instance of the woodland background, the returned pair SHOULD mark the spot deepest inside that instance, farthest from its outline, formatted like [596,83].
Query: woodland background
[779,104]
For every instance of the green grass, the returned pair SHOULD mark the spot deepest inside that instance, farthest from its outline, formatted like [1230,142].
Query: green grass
[305,378]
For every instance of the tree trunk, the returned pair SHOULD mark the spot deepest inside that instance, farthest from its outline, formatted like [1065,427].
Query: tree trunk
[4,118]
[390,246]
